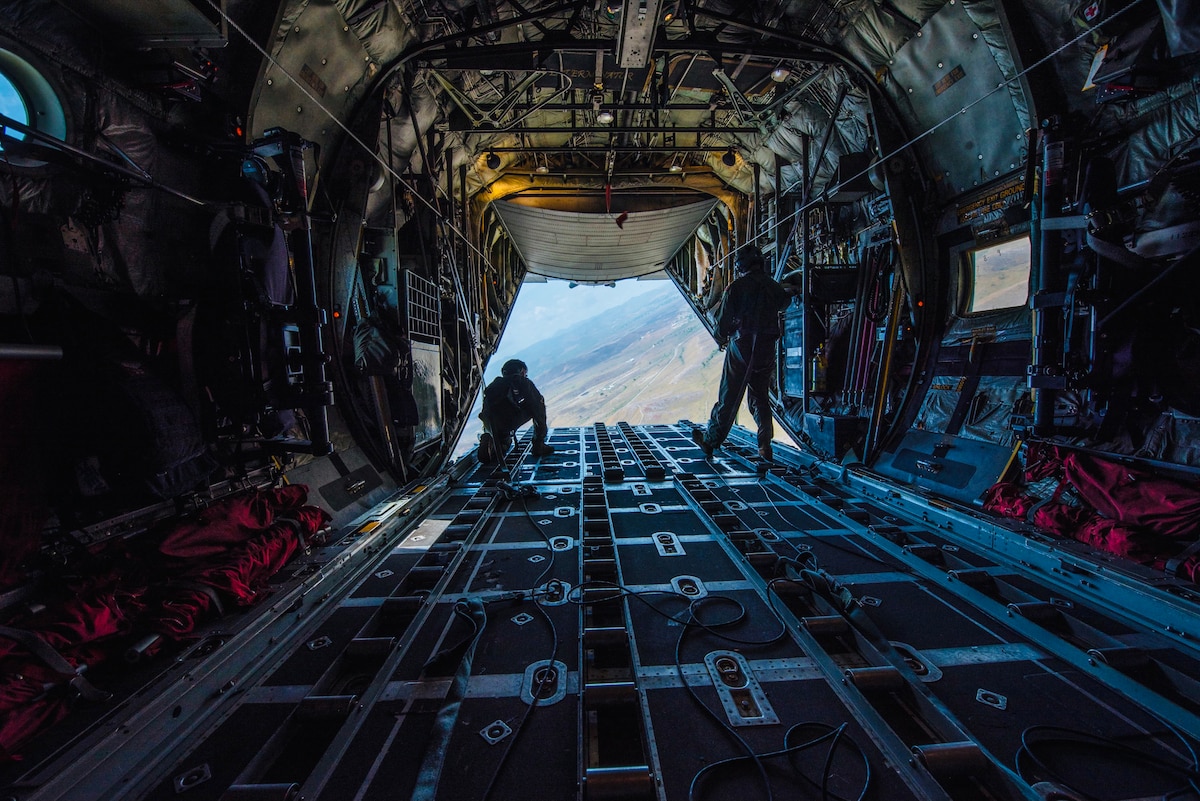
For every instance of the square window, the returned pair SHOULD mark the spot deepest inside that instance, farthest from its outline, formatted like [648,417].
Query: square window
[1000,276]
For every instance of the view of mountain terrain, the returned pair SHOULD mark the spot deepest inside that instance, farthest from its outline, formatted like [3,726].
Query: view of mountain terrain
[648,360]
[643,362]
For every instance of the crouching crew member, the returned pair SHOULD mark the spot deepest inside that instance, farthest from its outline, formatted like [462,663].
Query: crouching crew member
[510,402]
[748,323]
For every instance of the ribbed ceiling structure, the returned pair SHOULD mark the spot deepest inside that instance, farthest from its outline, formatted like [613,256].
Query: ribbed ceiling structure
[599,247]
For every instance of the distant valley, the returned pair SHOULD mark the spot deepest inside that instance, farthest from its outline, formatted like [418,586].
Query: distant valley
[646,361]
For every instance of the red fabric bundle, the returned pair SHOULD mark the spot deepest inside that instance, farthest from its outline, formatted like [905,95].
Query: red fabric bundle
[1134,497]
[25,706]
[1041,461]
[101,610]
[1008,499]
[230,522]
[34,695]
[1132,543]
[1058,518]
[242,576]
[1190,568]
[232,549]
[239,577]
[1124,511]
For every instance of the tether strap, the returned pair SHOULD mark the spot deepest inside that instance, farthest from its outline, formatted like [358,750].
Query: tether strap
[970,387]
[55,661]
[295,526]
[470,609]
[206,590]
[1174,564]
[1054,498]
[844,603]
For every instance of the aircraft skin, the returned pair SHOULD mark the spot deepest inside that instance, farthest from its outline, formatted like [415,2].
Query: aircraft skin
[257,259]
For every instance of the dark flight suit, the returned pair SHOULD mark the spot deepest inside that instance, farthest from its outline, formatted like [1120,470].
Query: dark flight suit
[749,319]
[510,402]
[381,349]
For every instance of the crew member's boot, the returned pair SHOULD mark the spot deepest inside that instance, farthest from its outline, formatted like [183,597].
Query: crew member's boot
[540,448]
[487,449]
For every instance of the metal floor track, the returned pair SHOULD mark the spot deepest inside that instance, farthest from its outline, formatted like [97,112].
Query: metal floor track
[625,620]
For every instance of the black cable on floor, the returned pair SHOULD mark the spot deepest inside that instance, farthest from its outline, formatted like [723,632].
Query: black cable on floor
[1037,739]
[835,734]
[861,552]
[537,582]
[691,620]
[536,691]
[751,754]
[524,492]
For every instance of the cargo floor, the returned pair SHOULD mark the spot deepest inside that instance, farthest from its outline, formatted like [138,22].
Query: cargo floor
[626,620]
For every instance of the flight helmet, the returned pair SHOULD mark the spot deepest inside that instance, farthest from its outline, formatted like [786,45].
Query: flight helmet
[514,367]
[748,258]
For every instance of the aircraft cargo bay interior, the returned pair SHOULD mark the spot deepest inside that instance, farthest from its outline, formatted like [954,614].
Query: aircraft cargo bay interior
[259,260]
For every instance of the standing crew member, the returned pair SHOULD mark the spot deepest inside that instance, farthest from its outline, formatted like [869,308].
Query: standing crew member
[748,323]
[510,402]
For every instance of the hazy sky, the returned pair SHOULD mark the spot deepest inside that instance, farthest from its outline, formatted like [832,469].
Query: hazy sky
[543,310]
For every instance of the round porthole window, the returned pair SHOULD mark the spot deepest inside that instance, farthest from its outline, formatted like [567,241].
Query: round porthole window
[27,101]
[12,105]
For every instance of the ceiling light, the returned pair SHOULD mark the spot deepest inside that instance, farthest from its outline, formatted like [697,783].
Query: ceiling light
[542,169]
[605,117]
[676,168]
[780,74]
[730,158]
[492,161]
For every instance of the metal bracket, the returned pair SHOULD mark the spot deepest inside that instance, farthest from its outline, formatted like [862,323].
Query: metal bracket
[767,534]
[743,699]
[689,587]
[495,732]
[494,114]
[192,777]
[926,671]
[667,544]
[992,699]
[741,106]
[554,593]
[547,681]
